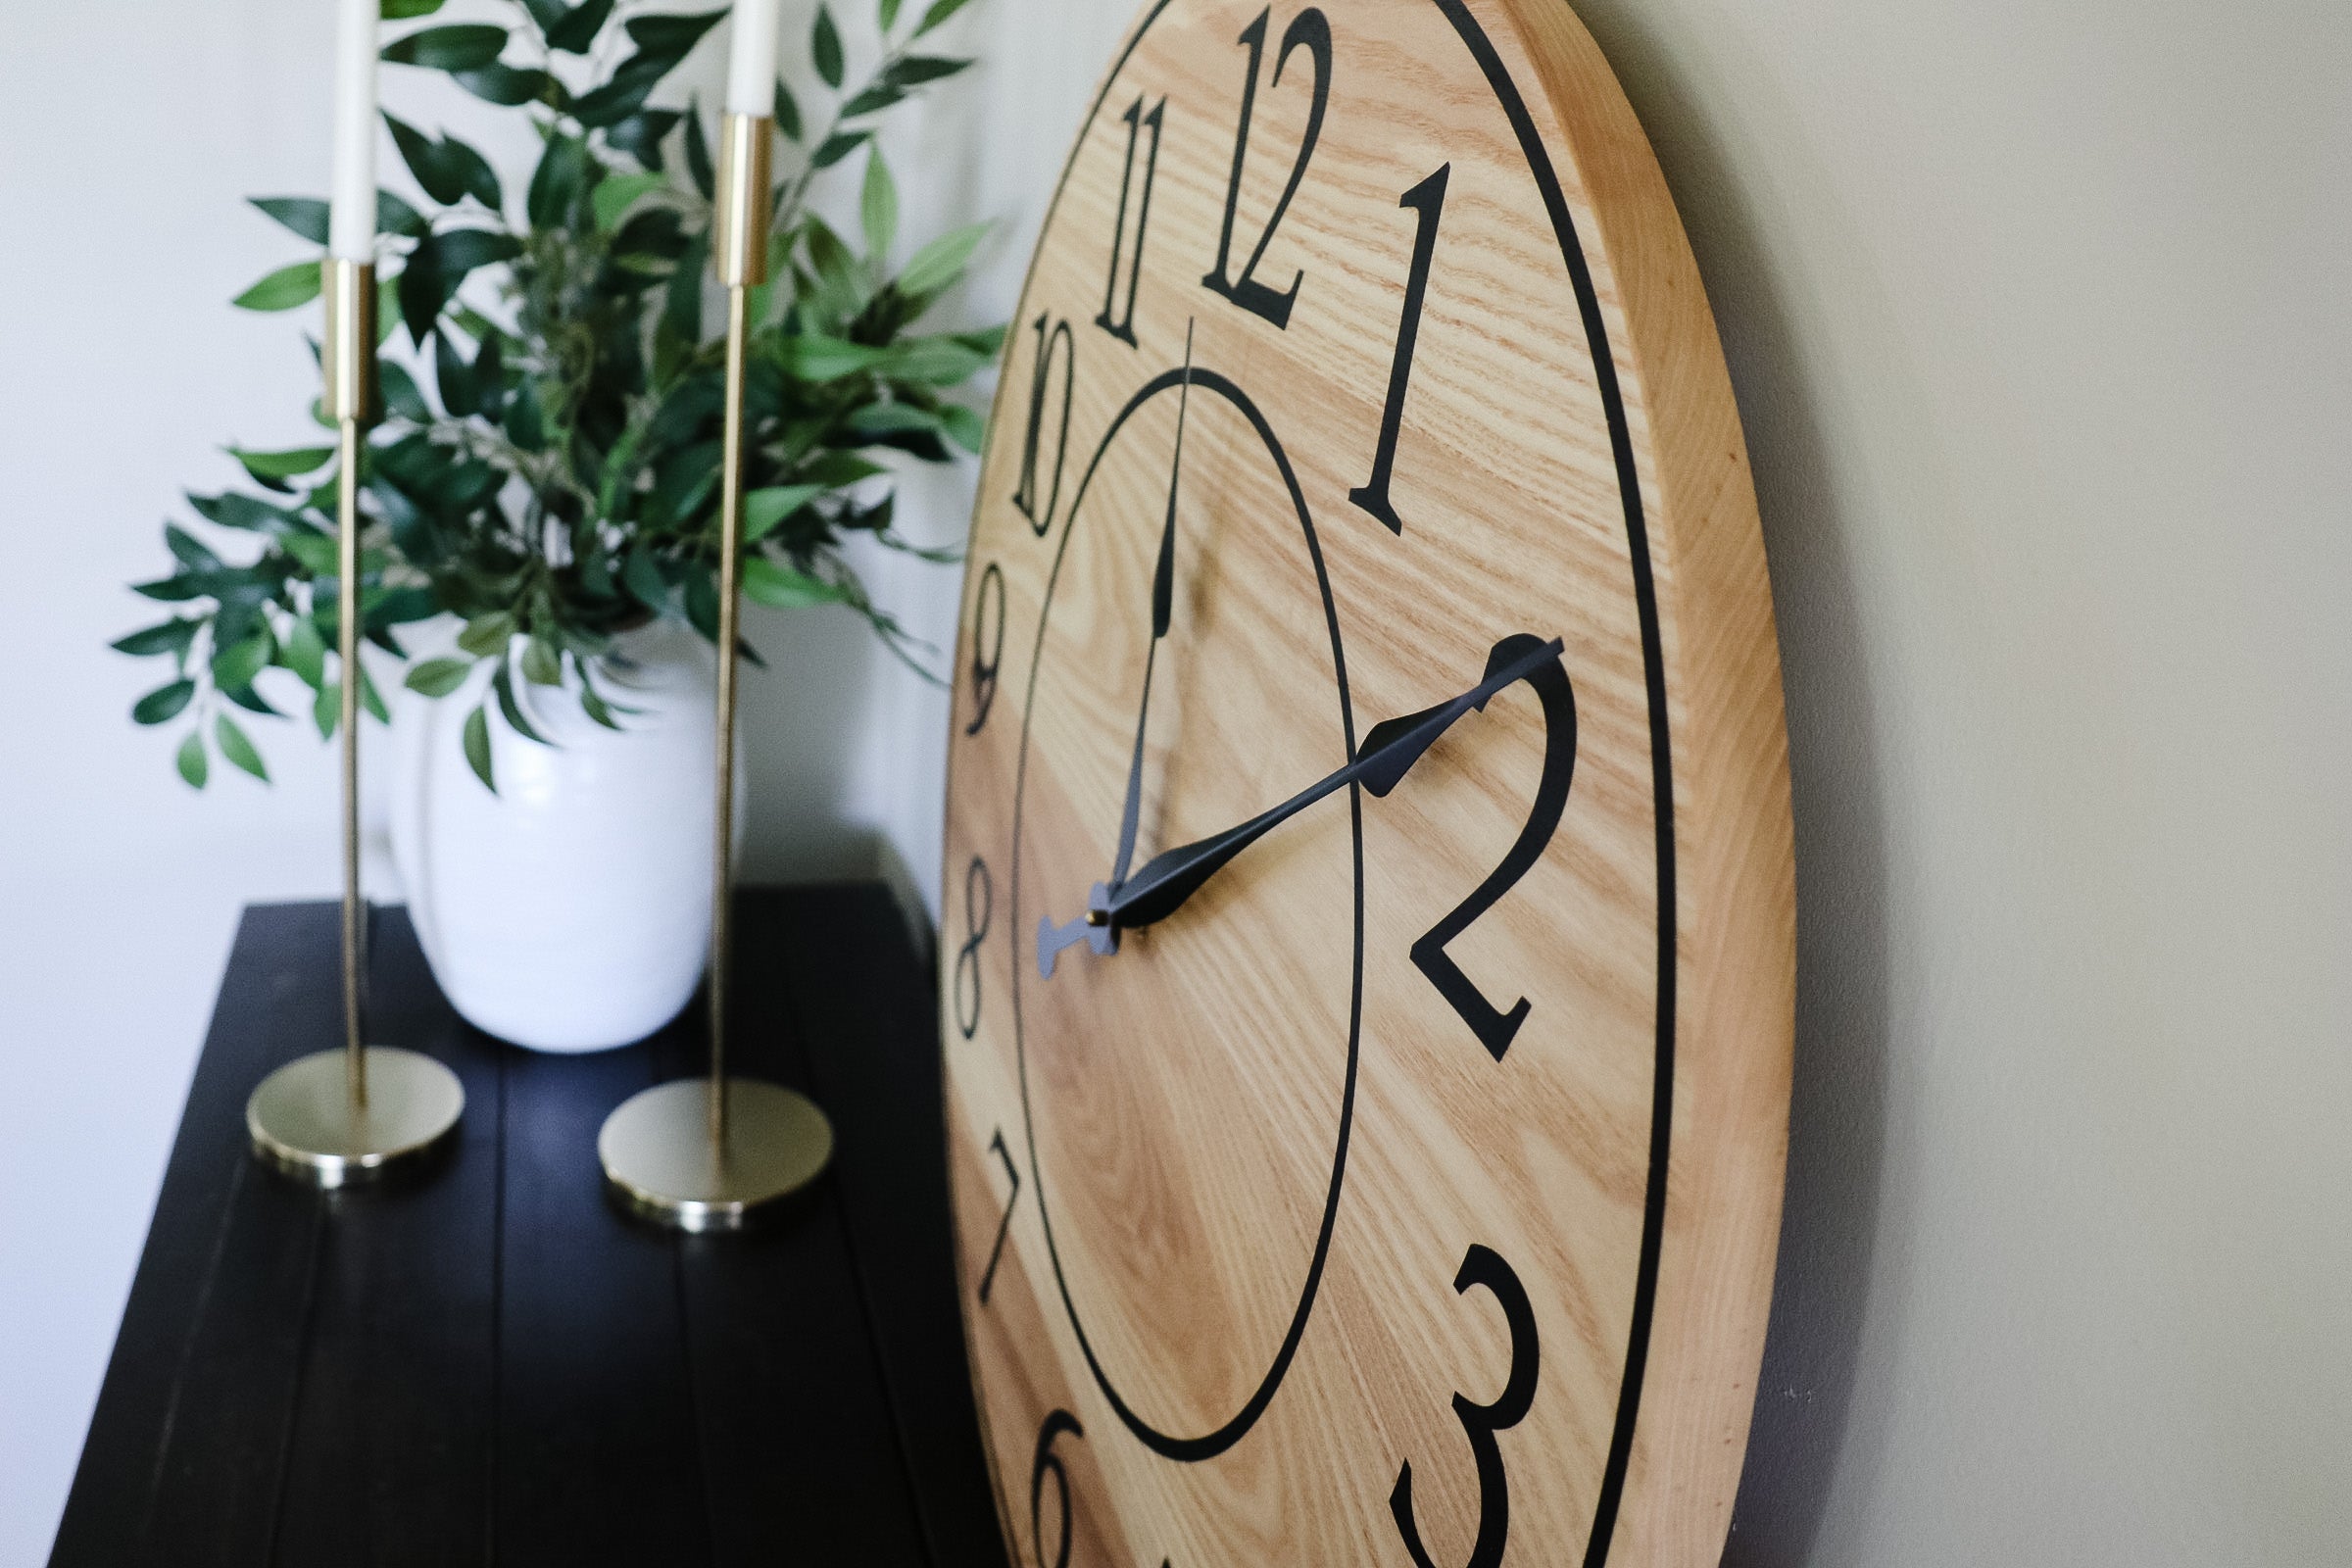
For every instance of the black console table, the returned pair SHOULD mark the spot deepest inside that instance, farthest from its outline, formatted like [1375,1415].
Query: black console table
[494,1366]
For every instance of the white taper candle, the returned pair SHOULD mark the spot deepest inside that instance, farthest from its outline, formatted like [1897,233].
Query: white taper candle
[752,67]
[351,230]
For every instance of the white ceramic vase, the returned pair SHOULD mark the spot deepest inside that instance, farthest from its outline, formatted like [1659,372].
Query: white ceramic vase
[571,912]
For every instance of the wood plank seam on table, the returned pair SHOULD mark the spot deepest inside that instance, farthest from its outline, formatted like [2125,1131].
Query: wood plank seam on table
[205,1491]
[598,1451]
[389,1448]
[874,1052]
[800,1448]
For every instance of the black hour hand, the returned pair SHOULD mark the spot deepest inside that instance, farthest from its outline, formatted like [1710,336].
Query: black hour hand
[1388,753]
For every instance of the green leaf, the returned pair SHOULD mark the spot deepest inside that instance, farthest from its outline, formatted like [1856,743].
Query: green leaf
[941,11]
[237,749]
[505,85]
[387,314]
[876,97]
[813,358]
[788,112]
[890,14]
[455,377]
[767,583]
[642,575]
[194,765]
[544,14]
[303,651]
[431,161]
[934,360]
[474,172]
[235,666]
[396,217]
[672,36]
[438,678]
[576,32]
[878,207]
[964,427]
[409,9]
[477,746]
[326,709]
[824,46]
[190,551]
[242,511]
[937,264]
[269,465]
[487,636]
[916,70]
[698,154]
[163,702]
[877,421]
[542,664]
[765,511]
[371,699]
[502,685]
[401,396]
[173,637]
[641,135]
[285,289]
[840,146]
[306,216]
[316,553]
[621,192]
[595,706]
[465,46]
[562,173]
[461,249]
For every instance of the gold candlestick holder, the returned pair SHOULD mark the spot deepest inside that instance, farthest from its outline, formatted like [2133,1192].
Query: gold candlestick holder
[709,1153]
[341,1117]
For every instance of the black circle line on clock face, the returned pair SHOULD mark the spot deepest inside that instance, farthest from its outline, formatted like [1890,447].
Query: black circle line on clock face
[1539,162]
[1207,1445]
[1096,928]
[1661,760]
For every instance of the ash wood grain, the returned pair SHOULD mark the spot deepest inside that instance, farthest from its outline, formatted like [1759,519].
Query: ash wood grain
[1267,1201]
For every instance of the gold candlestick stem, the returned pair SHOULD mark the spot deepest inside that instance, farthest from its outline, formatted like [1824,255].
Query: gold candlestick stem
[361,1112]
[706,1155]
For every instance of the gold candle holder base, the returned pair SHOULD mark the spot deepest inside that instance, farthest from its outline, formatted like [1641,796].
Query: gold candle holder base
[305,1123]
[661,1165]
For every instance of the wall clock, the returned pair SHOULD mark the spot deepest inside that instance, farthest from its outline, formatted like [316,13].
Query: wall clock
[1367,974]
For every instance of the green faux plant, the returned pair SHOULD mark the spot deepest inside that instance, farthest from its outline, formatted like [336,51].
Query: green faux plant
[558,486]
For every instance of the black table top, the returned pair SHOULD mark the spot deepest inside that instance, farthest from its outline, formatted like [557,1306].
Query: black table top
[493,1365]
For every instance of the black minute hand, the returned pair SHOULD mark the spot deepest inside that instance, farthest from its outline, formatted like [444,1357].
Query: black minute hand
[1388,751]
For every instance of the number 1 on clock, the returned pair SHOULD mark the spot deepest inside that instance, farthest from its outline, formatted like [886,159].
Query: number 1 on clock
[1429,199]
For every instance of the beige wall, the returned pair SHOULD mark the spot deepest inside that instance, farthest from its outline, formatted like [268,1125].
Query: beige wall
[2040,315]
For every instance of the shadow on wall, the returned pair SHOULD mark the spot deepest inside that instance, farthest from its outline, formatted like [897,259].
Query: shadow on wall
[1837,1112]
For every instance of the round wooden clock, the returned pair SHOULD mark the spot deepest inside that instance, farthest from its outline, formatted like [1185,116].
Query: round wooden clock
[1368,972]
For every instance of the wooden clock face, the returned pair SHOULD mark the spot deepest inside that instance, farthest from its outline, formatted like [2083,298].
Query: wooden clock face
[1367,976]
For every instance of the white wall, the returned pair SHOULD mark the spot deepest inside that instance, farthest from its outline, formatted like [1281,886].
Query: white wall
[2040,315]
